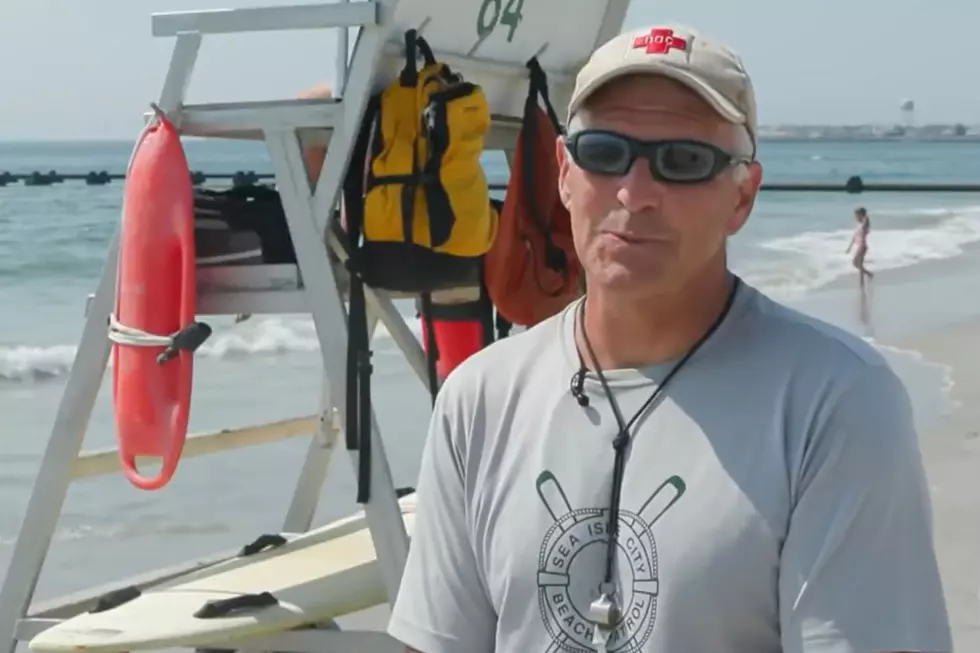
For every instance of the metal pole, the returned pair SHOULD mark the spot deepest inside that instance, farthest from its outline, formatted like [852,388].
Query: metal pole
[342,54]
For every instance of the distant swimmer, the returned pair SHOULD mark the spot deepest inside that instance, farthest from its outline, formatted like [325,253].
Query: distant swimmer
[859,242]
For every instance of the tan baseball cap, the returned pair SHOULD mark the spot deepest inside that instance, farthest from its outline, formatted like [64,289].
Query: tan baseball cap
[707,67]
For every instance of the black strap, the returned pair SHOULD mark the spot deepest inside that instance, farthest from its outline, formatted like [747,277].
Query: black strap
[486,310]
[414,45]
[623,436]
[226,607]
[437,133]
[358,395]
[423,47]
[410,72]
[431,347]
[503,326]
[187,339]
[263,543]
[539,80]
[115,598]
[364,425]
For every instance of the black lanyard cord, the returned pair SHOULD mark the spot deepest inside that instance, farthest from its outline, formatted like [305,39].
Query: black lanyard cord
[622,439]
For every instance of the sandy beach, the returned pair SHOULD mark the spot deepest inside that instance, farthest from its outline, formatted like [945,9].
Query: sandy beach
[952,458]
[910,320]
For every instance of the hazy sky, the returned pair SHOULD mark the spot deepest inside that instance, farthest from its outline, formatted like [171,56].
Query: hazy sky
[85,69]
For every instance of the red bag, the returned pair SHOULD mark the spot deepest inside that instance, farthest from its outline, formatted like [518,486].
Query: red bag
[532,271]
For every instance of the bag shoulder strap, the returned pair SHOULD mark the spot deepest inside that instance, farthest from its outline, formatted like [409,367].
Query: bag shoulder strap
[358,382]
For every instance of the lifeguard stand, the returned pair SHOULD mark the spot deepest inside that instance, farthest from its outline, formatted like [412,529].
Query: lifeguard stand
[489,43]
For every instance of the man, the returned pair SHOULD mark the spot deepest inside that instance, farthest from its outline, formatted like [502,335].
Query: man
[768,496]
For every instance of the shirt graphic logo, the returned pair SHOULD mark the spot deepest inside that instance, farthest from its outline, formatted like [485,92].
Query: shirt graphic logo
[571,565]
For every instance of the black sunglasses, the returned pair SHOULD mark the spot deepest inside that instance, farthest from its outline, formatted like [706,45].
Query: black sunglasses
[612,154]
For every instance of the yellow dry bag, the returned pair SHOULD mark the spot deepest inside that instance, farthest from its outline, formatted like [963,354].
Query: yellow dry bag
[427,220]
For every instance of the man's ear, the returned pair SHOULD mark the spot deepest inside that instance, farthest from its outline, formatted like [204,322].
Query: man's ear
[749,180]
[561,157]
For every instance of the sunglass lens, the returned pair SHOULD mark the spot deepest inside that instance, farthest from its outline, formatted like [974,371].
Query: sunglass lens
[685,162]
[603,154]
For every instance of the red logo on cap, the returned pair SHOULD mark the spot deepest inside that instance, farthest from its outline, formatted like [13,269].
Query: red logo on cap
[659,41]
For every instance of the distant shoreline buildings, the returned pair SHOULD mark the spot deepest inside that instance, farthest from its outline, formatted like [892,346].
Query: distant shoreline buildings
[956,132]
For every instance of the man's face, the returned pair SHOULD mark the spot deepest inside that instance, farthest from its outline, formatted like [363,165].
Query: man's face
[633,233]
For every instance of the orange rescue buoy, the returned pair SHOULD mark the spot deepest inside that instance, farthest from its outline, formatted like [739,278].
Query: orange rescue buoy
[153,329]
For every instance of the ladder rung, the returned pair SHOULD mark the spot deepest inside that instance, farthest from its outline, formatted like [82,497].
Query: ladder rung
[277,289]
[260,19]
[236,119]
[270,289]
[314,118]
[106,461]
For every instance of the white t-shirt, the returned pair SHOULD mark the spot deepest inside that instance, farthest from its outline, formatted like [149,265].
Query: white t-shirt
[774,501]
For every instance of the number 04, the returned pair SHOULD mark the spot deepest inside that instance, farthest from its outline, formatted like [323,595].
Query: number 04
[489,17]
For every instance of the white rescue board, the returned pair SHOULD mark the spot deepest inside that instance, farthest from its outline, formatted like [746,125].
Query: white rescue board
[313,577]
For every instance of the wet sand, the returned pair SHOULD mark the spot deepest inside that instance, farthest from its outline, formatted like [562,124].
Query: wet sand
[952,457]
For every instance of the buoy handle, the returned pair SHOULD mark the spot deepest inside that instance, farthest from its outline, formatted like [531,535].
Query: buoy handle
[152,482]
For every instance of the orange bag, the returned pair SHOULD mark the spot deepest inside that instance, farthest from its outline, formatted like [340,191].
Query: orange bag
[532,271]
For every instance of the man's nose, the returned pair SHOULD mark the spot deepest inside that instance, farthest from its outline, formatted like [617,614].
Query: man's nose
[638,190]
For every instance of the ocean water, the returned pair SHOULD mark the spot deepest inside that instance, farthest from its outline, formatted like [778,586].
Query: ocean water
[52,247]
